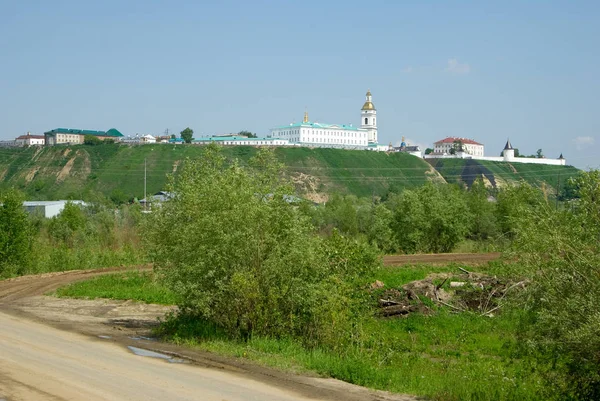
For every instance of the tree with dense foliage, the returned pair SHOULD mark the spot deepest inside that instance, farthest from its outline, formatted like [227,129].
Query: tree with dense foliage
[15,238]
[247,134]
[559,251]
[91,140]
[187,135]
[255,264]
[428,151]
[432,218]
[484,223]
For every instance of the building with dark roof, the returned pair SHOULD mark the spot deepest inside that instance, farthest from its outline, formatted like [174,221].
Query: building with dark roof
[69,136]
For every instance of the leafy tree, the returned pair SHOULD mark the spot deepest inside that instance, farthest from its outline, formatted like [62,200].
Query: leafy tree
[15,233]
[64,226]
[428,151]
[255,264]
[187,135]
[432,218]
[173,136]
[539,154]
[484,223]
[512,202]
[91,140]
[247,134]
[457,146]
[559,251]
[375,222]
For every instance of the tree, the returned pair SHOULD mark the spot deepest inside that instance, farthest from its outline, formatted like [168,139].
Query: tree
[91,140]
[559,252]
[539,154]
[432,218]
[255,265]
[187,135]
[247,134]
[15,233]
[484,224]
[428,151]
[457,146]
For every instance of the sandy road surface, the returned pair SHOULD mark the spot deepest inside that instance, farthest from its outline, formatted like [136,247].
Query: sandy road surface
[64,349]
[38,362]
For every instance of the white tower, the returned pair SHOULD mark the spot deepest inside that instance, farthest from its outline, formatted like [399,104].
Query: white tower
[508,152]
[368,119]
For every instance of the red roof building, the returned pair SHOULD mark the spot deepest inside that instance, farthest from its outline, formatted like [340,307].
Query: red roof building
[453,144]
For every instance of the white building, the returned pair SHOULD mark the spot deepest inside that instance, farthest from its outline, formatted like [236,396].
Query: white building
[30,140]
[309,133]
[48,209]
[240,141]
[508,154]
[469,146]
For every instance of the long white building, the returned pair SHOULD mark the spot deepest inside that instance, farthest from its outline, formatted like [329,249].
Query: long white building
[309,133]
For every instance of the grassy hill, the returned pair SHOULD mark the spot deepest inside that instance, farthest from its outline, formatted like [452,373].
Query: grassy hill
[117,171]
[499,174]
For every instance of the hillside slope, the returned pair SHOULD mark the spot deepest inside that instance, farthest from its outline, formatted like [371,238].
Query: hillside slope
[117,171]
[499,174]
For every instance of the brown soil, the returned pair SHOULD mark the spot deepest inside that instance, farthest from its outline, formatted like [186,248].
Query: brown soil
[129,323]
[441,258]
[66,170]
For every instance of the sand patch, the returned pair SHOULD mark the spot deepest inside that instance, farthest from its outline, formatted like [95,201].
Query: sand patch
[31,174]
[65,171]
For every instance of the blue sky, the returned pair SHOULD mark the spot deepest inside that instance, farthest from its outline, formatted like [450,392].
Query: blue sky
[481,70]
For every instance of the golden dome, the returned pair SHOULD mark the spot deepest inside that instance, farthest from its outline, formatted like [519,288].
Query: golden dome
[368,106]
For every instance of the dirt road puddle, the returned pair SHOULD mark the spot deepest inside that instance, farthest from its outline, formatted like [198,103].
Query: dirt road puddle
[152,354]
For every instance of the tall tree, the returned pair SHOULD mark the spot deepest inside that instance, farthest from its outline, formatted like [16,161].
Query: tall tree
[15,239]
[187,135]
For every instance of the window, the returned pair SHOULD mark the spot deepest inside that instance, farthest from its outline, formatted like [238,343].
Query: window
[366,120]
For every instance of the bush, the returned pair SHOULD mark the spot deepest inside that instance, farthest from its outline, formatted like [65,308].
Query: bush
[240,256]
[432,218]
[15,232]
[559,250]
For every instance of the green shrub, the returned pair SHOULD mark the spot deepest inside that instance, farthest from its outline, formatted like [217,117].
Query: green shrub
[240,256]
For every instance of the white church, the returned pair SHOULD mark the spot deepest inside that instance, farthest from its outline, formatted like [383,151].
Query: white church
[346,136]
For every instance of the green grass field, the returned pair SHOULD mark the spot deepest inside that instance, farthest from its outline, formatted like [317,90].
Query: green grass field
[456,170]
[444,356]
[118,171]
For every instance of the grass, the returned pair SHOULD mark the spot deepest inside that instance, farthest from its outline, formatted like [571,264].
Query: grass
[134,285]
[454,171]
[445,356]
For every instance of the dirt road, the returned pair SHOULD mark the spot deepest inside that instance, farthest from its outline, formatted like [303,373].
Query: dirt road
[441,258]
[64,349]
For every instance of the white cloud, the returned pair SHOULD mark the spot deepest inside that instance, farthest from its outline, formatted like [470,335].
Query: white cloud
[454,67]
[407,70]
[582,141]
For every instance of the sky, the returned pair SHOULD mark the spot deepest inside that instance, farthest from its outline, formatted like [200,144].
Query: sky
[489,71]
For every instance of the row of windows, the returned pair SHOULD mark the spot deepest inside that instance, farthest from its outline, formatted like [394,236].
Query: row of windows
[340,141]
[325,133]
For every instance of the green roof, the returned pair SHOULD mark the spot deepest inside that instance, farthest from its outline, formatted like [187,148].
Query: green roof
[320,125]
[111,132]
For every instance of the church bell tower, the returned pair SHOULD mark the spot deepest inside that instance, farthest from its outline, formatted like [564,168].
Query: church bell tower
[368,119]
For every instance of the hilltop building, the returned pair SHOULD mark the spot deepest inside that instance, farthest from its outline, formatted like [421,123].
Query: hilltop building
[465,145]
[309,133]
[68,136]
[459,148]
[30,140]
